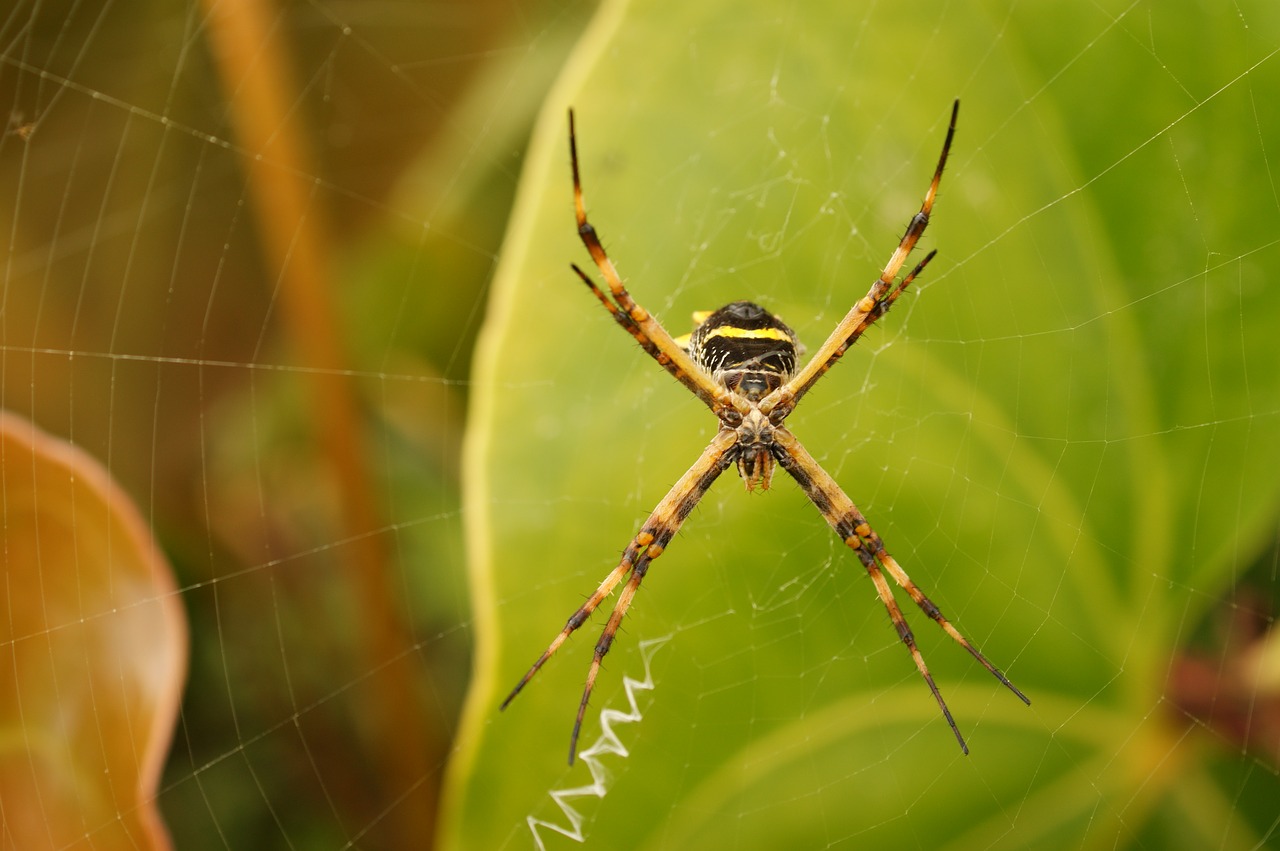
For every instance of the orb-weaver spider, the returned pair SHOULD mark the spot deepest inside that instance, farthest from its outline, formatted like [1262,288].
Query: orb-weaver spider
[740,362]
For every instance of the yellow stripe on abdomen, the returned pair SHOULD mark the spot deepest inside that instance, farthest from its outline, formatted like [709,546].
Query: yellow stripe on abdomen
[748,333]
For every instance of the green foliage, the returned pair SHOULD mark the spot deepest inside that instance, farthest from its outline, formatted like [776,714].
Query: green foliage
[1067,434]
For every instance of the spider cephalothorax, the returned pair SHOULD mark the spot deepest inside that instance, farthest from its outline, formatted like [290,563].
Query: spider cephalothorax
[740,361]
[747,350]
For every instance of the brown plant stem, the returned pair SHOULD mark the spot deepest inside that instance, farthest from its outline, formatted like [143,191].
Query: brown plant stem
[253,63]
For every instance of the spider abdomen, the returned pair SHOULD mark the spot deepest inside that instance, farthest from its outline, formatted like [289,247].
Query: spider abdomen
[745,348]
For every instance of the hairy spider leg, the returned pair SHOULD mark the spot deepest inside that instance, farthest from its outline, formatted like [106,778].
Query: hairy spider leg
[782,401]
[640,323]
[628,324]
[853,529]
[881,308]
[647,545]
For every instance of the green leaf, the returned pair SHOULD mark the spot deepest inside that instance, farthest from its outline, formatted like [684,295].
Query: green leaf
[1067,433]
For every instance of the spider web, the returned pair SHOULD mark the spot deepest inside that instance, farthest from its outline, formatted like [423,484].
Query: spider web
[249,252]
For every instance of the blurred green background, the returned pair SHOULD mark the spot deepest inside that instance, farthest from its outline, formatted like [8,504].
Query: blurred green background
[248,265]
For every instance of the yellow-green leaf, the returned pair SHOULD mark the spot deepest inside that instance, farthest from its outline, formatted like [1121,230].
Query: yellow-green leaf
[1067,433]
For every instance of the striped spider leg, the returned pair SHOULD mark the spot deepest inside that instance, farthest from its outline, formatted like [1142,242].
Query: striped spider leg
[839,511]
[671,512]
[870,307]
[740,361]
[646,546]
[852,527]
[637,321]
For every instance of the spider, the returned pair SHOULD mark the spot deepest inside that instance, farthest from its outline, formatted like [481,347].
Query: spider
[740,361]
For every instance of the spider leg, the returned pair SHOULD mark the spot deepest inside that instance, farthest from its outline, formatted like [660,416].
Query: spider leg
[579,617]
[881,308]
[629,325]
[648,544]
[606,641]
[871,306]
[653,338]
[852,527]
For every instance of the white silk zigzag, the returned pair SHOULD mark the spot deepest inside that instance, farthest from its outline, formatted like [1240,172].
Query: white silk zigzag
[607,743]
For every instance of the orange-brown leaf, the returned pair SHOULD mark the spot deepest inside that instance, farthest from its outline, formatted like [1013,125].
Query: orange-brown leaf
[92,652]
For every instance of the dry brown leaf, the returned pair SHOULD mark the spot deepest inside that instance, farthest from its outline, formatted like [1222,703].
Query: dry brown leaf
[92,653]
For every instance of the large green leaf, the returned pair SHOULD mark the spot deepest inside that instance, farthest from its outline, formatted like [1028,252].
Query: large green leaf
[1068,433]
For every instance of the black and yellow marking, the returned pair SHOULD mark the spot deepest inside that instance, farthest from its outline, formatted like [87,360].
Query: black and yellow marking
[745,348]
